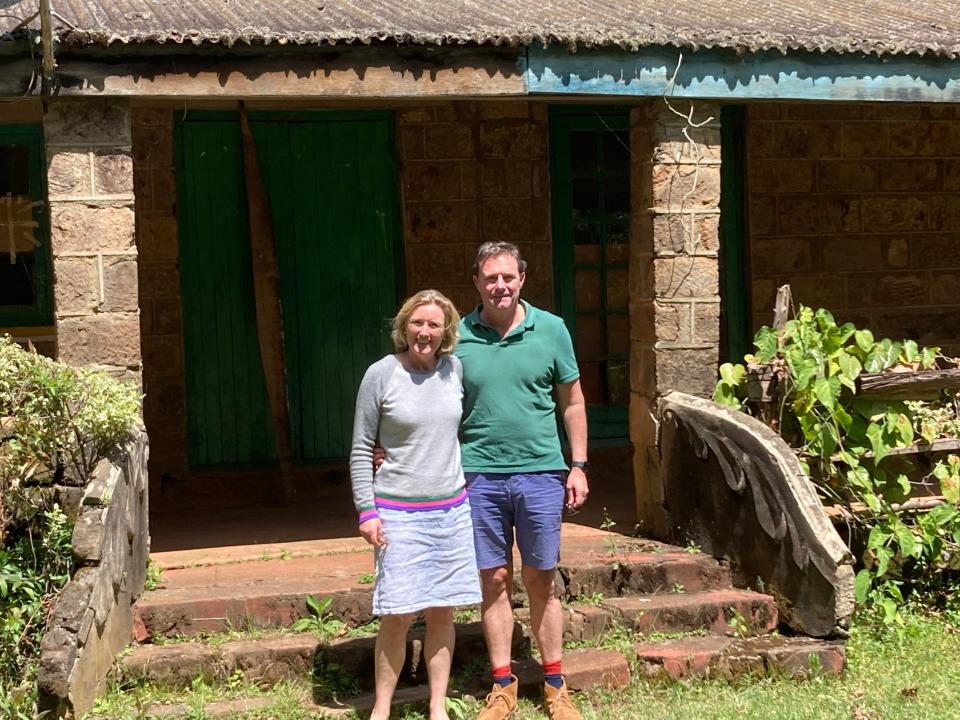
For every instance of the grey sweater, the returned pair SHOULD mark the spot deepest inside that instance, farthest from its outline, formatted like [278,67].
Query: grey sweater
[414,417]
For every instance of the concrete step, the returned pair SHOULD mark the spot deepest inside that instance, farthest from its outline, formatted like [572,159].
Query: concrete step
[583,669]
[729,657]
[272,593]
[268,660]
[720,612]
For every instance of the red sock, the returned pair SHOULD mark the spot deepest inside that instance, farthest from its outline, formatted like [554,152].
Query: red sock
[552,674]
[502,676]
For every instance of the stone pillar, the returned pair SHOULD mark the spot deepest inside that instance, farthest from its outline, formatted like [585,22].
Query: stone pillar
[674,279]
[164,384]
[90,190]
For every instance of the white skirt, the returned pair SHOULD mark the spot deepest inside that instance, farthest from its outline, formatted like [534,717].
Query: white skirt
[429,561]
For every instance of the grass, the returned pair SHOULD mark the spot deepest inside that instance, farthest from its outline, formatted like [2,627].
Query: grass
[907,672]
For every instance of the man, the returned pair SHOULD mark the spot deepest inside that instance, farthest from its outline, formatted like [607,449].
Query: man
[515,358]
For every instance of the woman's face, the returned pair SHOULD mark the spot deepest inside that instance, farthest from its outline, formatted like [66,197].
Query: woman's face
[425,329]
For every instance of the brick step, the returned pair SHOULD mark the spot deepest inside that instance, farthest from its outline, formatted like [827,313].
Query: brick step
[720,612]
[729,657]
[273,593]
[583,669]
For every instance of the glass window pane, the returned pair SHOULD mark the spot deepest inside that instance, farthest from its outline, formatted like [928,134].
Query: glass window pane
[617,233]
[16,280]
[586,233]
[618,289]
[616,151]
[618,382]
[591,382]
[583,151]
[618,334]
[590,344]
[14,170]
[616,195]
[617,253]
[586,254]
[586,197]
[587,289]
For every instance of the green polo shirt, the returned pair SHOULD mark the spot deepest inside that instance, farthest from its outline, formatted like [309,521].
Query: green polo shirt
[509,425]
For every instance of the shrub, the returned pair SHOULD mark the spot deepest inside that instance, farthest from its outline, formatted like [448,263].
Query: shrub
[846,443]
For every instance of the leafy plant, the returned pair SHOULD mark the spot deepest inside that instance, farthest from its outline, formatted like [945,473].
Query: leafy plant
[849,444]
[319,621]
[61,420]
[153,575]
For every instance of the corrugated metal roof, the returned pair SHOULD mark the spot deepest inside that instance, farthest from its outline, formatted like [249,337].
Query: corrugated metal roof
[880,27]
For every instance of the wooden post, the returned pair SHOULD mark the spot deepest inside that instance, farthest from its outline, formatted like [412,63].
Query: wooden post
[266,290]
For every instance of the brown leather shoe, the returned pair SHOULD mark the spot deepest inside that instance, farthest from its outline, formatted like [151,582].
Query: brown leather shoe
[501,702]
[558,704]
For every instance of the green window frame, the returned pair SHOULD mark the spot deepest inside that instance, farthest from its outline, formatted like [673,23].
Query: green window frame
[590,203]
[40,311]
[735,336]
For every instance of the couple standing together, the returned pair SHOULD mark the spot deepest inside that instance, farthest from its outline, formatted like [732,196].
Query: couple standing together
[434,521]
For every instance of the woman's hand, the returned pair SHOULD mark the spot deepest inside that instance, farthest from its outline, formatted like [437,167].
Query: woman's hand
[372,532]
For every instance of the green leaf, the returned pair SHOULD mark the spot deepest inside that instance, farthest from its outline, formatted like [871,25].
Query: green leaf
[910,353]
[905,429]
[928,431]
[767,342]
[877,538]
[864,340]
[861,586]
[878,444]
[928,358]
[943,514]
[884,556]
[825,319]
[904,482]
[906,540]
[732,374]
[724,395]
[850,367]
[827,391]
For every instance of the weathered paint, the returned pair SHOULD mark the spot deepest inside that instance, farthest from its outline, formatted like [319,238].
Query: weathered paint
[724,75]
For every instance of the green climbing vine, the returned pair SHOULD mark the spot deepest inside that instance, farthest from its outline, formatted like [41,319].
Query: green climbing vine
[849,444]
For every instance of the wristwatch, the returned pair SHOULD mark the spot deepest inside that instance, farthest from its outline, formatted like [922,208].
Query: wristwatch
[582,464]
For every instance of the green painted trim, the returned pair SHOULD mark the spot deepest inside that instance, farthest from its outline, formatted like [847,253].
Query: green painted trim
[735,291]
[41,312]
[725,74]
[606,423]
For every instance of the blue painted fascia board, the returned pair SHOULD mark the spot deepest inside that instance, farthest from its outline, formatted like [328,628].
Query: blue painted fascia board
[727,75]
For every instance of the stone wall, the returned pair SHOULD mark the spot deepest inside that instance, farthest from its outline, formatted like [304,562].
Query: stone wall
[856,206]
[674,279]
[164,402]
[90,191]
[471,172]
[92,619]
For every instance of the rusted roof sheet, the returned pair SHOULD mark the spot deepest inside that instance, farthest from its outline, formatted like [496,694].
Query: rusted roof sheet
[879,27]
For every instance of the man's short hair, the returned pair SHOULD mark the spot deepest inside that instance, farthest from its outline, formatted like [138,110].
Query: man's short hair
[495,249]
[451,321]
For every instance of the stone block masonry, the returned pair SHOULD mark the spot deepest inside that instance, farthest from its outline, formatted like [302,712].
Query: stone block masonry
[855,206]
[164,402]
[90,191]
[674,278]
[92,619]
[471,172]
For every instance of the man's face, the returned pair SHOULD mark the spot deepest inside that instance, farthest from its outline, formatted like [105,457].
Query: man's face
[499,282]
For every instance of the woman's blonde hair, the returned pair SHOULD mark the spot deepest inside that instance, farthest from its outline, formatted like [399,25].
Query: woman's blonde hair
[451,323]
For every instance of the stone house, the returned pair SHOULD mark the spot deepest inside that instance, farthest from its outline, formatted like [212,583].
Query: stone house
[663,168]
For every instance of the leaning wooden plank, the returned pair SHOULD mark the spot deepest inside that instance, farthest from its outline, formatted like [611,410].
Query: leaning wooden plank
[918,385]
[266,290]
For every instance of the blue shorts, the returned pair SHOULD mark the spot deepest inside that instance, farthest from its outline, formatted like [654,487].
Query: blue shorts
[530,503]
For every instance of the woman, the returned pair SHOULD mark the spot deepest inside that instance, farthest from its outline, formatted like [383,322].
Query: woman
[414,510]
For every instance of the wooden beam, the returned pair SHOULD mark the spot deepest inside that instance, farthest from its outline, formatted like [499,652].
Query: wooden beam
[338,72]
[919,385]
[725,75]
[266,291]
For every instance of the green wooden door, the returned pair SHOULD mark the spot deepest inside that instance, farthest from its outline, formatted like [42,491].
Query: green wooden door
[331,183]
[590,193]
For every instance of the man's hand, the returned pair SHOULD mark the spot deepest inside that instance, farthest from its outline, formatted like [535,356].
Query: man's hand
[379,455]
[372,532]
[577,488]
